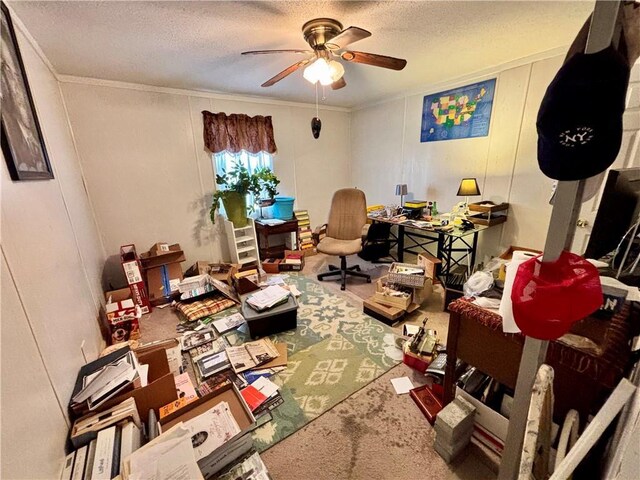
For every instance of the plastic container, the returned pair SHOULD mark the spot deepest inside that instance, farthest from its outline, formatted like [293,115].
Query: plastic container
[274,320]
[283,208]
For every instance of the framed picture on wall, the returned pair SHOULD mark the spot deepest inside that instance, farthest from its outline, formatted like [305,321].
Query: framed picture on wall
[463,112]
[22,143]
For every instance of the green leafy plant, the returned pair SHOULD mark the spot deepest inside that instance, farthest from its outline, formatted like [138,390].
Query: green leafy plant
[240,181]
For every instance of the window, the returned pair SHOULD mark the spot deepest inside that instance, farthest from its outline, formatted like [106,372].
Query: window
[224,161]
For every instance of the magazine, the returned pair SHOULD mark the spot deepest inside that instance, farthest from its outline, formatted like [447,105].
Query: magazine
[252,354]
[193,339]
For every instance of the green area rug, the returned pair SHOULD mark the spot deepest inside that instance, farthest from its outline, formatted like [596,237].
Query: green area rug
[335,351]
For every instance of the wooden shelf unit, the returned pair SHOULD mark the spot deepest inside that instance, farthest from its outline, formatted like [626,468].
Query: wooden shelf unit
[243,243]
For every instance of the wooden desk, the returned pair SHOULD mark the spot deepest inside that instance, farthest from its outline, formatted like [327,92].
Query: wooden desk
[449,243]
[266,246]
[583,378]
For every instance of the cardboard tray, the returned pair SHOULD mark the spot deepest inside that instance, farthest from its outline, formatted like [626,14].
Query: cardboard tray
[485,219]
[228,393]
[488,206]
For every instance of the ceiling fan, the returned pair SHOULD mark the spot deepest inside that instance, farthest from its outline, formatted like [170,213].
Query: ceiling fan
[328,41]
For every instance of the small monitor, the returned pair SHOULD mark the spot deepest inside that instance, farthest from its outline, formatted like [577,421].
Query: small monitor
[619,210]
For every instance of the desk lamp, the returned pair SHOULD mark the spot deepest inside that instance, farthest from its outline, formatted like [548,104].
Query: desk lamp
[468,188]
[401,189]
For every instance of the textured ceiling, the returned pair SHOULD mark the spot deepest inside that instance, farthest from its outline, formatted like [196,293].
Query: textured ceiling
[197,45]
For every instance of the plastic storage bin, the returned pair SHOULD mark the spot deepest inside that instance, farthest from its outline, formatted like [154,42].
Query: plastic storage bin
[283,208]
[274,320]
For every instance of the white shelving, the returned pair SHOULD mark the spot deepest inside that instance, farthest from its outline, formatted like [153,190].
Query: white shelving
[243,243]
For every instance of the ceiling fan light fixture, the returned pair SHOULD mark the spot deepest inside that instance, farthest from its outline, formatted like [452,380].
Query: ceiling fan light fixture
[323,71]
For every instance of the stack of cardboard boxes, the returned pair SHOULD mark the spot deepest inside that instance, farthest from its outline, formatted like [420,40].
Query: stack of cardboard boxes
[392,300]
[163,272]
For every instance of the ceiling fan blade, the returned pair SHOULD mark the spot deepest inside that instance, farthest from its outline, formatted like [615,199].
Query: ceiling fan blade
[340,83]
[287,71]
[347,37]
[263,52]
[375,60]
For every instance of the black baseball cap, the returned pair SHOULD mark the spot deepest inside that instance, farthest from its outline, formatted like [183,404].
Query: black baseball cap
[580,119]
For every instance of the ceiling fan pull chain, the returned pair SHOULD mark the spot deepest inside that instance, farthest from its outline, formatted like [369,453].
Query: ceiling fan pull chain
[324,97]
[317,112]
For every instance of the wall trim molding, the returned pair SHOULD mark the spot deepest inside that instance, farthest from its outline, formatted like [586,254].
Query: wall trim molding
[460,81]
[191,93]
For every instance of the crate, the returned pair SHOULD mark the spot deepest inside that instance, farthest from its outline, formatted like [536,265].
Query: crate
[414,281]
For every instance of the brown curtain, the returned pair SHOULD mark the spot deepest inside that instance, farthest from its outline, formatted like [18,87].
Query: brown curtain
[237,132]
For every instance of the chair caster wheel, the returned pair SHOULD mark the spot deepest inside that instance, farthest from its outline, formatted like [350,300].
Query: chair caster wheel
[342,287]
[368,280]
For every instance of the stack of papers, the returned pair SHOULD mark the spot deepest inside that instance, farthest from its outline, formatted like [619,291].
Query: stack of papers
[268,298]
[212,429]
[229,323]
[86,428]
[169,456]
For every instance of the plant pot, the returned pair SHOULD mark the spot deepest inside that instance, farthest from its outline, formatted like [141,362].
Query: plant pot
[235,205]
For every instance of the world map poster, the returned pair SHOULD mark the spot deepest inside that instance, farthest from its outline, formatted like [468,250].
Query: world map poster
[463,112]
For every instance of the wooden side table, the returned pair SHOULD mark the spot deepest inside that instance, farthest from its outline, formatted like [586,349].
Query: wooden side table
[268,247]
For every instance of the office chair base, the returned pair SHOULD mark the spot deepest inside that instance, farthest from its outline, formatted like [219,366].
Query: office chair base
[343,271]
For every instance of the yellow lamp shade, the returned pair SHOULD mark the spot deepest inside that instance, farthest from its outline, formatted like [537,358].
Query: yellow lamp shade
[468,187]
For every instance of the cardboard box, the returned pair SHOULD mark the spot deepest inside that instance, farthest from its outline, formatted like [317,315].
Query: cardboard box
[162,283]
[271,265]
[117,295]
[220,271]
[430,264]
[292,267]
[123,319]
[382,298]
[233,448]
[160,390]
[385,313]
[507,254]
[159,256]
[246,281]
[133,271]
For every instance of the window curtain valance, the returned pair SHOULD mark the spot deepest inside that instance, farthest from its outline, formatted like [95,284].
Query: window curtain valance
[237,132]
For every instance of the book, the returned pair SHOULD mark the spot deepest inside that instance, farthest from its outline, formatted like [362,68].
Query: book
[193,339]
[253,397]
[88,465]
[211,363]
[103,461]
[131,439]
[218,380]
[67,470]
[79,463]
[86,428]
[117,442]
[184,387]
[214,346]
[171,407]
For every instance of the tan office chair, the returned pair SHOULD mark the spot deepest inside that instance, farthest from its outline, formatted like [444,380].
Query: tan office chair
[347,217]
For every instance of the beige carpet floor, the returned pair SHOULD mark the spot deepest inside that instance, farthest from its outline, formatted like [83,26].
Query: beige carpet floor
[375,433]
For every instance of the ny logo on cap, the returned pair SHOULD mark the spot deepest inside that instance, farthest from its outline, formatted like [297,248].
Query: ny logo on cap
[576,136]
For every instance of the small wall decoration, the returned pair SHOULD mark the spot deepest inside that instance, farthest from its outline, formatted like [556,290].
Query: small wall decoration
[22,142]
[463,112]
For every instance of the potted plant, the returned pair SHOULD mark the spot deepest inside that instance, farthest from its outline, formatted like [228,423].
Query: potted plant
[233,188]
